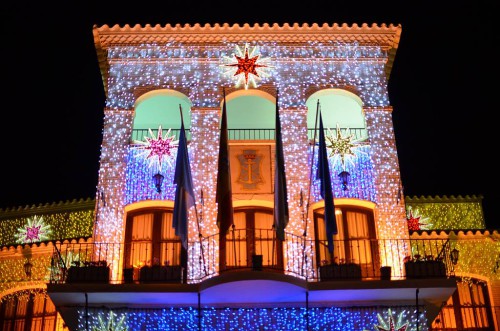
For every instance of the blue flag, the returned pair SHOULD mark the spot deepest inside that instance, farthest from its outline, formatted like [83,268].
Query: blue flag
[280,192]
[184,194]
[224,197]
[326,187]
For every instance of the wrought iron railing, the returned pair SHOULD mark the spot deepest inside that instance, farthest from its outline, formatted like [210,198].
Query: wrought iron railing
[359,134]
[259,248]
[141,134]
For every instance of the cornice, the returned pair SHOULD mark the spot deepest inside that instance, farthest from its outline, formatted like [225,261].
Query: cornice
[384,35]
[443,199]
[457,233]
[49,208]
[105,36]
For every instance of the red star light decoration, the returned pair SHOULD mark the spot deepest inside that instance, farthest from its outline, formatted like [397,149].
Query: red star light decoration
[157,149]
[249,66]
[391,326]
[416,222]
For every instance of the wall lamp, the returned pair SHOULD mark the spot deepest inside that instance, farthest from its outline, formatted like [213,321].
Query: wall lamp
[27,268]
[454,256]
[344,179]
[158,180]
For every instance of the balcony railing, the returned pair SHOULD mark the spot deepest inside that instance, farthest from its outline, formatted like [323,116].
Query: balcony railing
[359,134]
[249,134]
[258,249]
[140,134]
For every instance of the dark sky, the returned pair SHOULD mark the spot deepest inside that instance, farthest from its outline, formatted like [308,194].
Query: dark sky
[442,87]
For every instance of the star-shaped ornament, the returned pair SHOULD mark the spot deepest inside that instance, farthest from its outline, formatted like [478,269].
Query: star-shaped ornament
[341,146]
[391,326]
[250,67]
[34,230]
[416,222]
[33,233]
[157,149]
[111,322]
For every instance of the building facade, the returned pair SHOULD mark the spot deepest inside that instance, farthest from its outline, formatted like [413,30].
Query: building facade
[160,249]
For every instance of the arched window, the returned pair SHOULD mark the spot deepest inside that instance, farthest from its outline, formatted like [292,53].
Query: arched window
[338,107]
[354,243]
[253,234]
[150,239]
[28,311]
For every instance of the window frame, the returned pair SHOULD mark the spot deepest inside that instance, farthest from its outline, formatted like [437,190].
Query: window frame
[345,241]
[251,238]
[156,240]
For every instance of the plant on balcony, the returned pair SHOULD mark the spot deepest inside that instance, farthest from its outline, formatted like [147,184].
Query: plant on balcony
[161,273]
[424,267]
[342,270]
[89,272]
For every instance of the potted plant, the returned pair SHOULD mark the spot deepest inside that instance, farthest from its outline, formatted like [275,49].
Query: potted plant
[424,267]
[89,272]
[385,272]
[257,262]
[342,270]
[160,273]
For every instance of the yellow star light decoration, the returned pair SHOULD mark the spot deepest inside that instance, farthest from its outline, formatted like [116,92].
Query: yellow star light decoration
[246,66]
[342,147]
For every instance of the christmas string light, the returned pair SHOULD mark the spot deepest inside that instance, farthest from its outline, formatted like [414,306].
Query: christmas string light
[278,318]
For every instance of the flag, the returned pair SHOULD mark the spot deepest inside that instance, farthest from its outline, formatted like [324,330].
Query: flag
[184,194]
[224,193]
[323,175]
[280,192]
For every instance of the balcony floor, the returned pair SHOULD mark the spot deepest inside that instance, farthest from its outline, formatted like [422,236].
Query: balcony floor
[254,288]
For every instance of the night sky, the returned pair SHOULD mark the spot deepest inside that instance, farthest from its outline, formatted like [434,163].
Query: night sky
[442,88]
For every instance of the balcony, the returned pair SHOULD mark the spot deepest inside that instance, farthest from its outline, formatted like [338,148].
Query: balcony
[257,267]
[259,250]
[250,134]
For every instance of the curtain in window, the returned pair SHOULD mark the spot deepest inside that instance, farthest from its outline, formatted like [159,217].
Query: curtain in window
[142,235]
[359,238]
[170,243]
[265,244]
[236,242]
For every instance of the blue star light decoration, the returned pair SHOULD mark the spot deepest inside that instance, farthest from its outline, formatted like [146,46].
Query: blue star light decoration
[157,149]
[246,66]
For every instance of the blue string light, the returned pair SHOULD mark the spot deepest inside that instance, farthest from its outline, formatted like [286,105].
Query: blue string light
[272,319]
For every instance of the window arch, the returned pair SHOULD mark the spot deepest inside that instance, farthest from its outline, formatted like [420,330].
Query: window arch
[162,107]
[338,107]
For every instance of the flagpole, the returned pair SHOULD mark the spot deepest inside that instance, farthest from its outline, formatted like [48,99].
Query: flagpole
[196,214]
[224,191]
[311,167]
[309,189]
[326,189]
